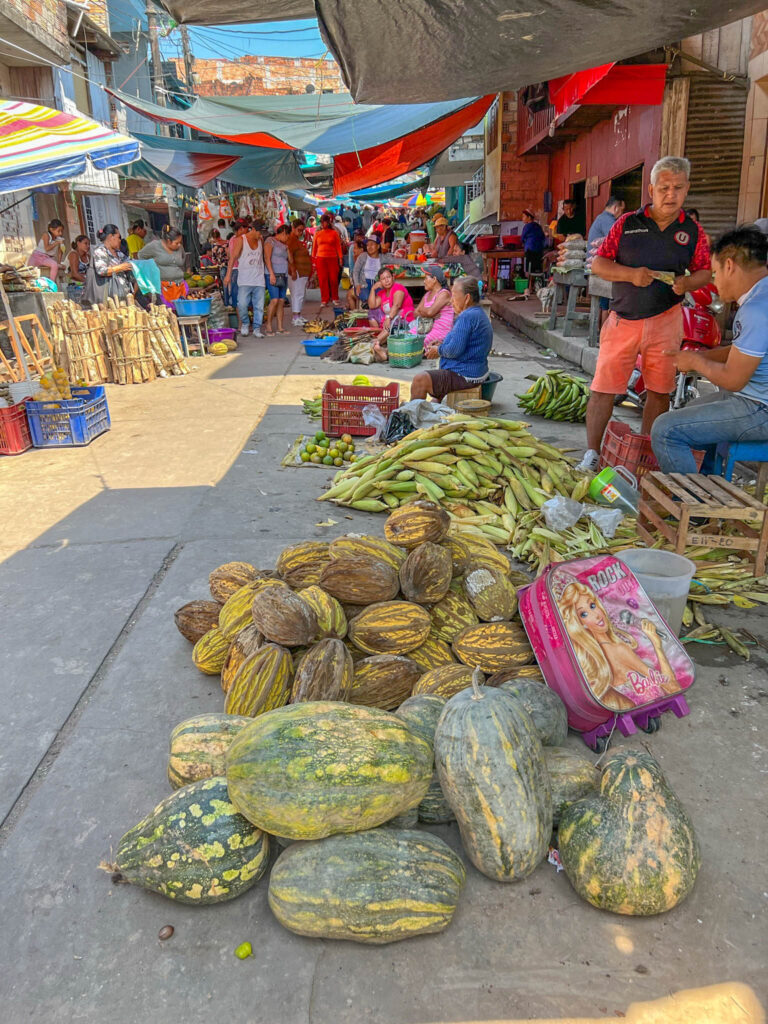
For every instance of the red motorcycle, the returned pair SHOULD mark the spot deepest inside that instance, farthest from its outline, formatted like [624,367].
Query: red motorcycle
[700,331]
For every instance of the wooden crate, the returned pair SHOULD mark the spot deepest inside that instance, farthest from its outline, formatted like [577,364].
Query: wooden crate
[683,498]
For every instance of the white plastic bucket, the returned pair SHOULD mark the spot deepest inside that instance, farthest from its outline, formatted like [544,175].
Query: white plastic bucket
[666,579]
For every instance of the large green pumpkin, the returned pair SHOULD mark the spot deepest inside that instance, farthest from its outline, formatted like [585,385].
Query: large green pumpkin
[376,886]
[631,848]
[572,775]
[194,847]
[313,769]
[546,709]
[491,768]
[422,712]
[199,747]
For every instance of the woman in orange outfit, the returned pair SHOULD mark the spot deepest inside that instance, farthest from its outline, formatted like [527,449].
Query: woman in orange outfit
[327,254]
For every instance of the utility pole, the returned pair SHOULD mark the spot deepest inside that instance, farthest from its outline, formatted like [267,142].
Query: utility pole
[157,66]
[188,59]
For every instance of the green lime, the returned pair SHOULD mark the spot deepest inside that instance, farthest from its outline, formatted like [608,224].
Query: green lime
[311,448]
[320,435]
[353,458]
[351,446]
[340,446]
[324,443]
[315,458]
[346,438]
[338,462]
[305,456]
[327,460]
[334,453]
[347,456]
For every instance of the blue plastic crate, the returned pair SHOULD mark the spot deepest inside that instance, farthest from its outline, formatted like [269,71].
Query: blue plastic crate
[71,423]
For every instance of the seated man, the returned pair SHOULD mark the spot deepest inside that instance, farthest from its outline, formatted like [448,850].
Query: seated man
[463,351]
[740,411]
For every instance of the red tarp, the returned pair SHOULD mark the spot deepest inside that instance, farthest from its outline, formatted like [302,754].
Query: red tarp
[639,84]
[354,171]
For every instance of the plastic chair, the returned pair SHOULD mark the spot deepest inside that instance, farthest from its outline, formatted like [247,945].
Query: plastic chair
[728,454]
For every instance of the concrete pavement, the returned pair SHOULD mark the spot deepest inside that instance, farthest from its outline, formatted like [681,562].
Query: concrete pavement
[100,546]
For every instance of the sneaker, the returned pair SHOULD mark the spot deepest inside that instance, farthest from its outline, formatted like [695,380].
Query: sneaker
[243,332]
[257,333]
[589,462]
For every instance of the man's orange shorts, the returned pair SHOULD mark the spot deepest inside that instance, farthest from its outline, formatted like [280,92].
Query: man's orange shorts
[621,341]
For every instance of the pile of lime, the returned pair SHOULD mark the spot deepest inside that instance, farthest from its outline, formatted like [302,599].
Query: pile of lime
[328,451]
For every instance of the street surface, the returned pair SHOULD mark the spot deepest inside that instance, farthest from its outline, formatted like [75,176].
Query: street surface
[99,546]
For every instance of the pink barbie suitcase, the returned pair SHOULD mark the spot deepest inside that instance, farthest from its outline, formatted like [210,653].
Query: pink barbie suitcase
[603,647]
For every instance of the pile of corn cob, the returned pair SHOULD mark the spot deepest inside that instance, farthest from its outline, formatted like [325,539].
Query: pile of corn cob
[728,580]
[487,473]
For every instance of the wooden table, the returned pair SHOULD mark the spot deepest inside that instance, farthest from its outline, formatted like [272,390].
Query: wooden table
[573,279]
[491,262]
[598,288]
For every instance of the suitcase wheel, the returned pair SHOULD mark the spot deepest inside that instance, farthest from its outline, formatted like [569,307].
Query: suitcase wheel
[654,724]
[600,745]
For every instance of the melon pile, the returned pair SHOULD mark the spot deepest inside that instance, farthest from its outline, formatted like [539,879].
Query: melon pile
[355,707]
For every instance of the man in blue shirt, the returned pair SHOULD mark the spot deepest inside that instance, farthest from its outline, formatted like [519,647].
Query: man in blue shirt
[739,412]
[463,351]
[604,221]
[533,242]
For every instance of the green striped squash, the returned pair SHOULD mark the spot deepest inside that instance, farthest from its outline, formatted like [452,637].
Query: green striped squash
[312,769]
[199,746]
[194,847]
[572,775]
[377,886]
[631,848]
[547,711]
[491,768]
[421,712]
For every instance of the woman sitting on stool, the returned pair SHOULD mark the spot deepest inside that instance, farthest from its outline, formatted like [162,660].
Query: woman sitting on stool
[387,301]
[464,350]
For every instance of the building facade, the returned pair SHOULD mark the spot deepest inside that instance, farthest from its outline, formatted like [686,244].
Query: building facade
[263,76]
[536,156]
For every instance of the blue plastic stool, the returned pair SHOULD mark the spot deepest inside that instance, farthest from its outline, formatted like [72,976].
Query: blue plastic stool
[728,454]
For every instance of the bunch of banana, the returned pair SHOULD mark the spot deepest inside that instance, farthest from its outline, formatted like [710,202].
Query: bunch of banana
[318,328]
[557,395]
[313,407]
[485,472]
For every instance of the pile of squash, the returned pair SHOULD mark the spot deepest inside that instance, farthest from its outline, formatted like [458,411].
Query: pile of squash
[356,712]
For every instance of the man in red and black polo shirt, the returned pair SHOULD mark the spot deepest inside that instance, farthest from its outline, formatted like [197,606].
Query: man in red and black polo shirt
[645,316]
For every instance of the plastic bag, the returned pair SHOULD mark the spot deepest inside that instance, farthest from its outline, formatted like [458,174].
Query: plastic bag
[399,425]
[362,352]
[561,513]
[606,520]
[374,417]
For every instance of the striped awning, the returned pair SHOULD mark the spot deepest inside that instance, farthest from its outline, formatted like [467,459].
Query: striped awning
[40,146]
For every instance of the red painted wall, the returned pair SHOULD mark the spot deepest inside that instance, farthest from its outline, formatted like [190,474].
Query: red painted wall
[630,137]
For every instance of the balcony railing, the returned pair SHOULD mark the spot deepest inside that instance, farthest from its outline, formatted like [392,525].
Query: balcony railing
[476,186]
[532,128]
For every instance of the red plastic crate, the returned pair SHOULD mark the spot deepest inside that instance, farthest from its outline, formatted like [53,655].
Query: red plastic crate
[14,430]
[343,407]
[623,448]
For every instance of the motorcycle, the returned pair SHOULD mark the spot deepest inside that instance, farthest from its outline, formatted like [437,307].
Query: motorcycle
[700,331]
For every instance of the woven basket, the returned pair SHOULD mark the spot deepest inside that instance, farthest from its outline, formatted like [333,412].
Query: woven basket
[405,349]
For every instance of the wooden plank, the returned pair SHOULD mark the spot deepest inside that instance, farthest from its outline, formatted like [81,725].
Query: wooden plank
[742,495]
[716,540]
[673,507]
[692,485]
[678,487]
[666,529]
[708,484]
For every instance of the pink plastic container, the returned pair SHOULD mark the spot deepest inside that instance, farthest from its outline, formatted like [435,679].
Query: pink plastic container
[604,648]
[216,334]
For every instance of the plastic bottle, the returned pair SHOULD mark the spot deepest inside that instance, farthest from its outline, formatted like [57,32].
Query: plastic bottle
[616,487]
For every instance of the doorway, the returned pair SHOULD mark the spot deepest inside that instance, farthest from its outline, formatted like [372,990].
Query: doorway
[629,187]
[577,191]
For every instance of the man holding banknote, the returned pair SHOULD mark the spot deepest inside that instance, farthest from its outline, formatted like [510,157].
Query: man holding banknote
[653,256]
